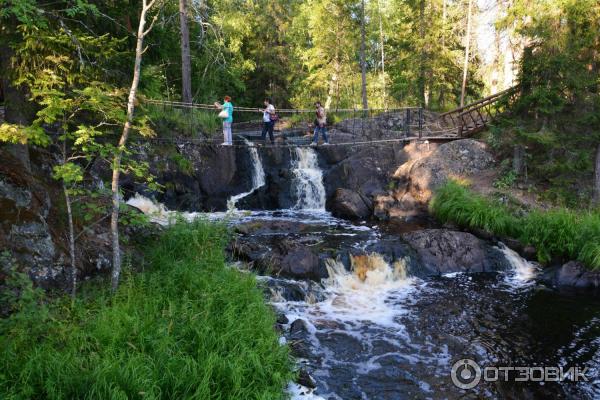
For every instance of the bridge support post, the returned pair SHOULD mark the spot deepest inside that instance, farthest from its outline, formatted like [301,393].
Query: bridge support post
[407,123]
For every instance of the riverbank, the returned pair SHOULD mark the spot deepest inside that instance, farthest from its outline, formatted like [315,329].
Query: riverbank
[556,235]
[184,325]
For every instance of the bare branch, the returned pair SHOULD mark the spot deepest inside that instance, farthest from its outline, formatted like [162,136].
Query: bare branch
[151,26]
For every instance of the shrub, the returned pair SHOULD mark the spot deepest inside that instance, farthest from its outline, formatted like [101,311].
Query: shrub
[187,326]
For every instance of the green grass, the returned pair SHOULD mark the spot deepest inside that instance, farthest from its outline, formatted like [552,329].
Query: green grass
[556,234]
[186,327]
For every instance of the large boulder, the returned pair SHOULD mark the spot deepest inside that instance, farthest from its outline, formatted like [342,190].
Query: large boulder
[443,251]
[300,263]
[456,159]
[349,204]
[426,167]
[270,251]
[575,274]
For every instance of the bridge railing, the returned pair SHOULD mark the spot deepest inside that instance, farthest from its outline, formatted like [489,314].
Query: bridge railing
[475,116]
[200,122]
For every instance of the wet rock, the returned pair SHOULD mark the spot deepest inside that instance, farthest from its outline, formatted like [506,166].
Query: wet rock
[300,349]
[270,226]
[282,319]
[298,328]
[300,263]
[305,379]
[577,275]
[349,204]
[442,251]
[285,290]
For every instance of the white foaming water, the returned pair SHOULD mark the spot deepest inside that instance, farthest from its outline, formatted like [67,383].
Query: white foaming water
[523,272]
[367,294]
[258,176]
[299,392]
[364,304]
[364,293]
[308,187]
[157,212]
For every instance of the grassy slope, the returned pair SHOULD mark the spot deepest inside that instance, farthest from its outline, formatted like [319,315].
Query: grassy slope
[559,233]
[186,327]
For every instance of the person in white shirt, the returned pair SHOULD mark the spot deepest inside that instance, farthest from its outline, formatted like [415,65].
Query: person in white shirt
[269,118]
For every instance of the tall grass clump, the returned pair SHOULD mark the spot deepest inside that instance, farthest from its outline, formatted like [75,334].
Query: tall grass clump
[560,233]
[187,327]
[457,204]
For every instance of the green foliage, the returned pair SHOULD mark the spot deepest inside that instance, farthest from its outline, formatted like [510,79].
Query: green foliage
[185,122]
[183,164]
[454,203]
[506,181]
[558,233]
[187,326]
[558,72]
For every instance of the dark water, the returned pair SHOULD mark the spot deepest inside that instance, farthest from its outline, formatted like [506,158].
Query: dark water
[397,337]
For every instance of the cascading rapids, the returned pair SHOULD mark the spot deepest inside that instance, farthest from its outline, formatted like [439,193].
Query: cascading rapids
[308,188]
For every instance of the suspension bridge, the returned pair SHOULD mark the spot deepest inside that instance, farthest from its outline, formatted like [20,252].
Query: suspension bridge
[198,124]
[346,127]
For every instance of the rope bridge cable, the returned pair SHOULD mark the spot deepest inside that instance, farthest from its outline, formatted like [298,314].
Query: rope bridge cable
[410,118]
[212,107]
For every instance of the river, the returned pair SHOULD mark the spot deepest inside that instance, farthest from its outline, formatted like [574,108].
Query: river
[377,328]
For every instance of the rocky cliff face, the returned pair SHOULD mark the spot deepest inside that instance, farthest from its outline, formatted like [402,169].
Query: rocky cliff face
[385,180]
[33,226]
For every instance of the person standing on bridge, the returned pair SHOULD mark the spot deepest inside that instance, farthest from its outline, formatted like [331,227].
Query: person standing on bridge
[269,118]
[227,115]
[321,125]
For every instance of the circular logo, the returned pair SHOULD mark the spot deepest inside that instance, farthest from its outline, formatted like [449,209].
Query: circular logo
[465,374]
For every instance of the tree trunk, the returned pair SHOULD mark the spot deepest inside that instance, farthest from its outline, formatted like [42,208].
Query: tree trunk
[596,200]
[71,242]
[421,80]
[442,95]
[381,42]
[186,68]
[363,61]
[518,159]
[466,63]
[114,221]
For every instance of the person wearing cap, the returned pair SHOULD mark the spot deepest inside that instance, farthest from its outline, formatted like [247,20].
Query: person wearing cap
[321,122]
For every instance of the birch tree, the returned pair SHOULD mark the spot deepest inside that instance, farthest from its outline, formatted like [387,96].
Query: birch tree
[142,32]
[363,56]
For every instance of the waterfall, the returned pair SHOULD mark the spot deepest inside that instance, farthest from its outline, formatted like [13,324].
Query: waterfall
[364,292]
[258,176]
[157,212]
[308,188]
[523,272]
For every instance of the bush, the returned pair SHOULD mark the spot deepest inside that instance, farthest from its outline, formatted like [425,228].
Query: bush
[186,327]
[559,233]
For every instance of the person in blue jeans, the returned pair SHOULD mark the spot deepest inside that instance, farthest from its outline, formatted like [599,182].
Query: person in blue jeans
[228,121]
[320,125]
[268,120]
